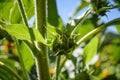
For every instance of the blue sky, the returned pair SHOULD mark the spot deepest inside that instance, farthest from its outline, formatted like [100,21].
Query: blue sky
[67,7]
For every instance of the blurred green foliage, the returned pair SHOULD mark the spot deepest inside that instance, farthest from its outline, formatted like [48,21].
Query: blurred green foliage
[62,42]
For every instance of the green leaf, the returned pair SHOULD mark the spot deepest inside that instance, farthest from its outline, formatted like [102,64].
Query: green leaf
[5,7]
[19,31]
[118,28]
[29,7]
[9,62]
[51,31]
[4,65]
[15,16]
[23,33]
[90,50]
[86,27]
[54,21]
[53,17]
[115,50]
[9,72]
[27,56]
[4,74]
[38,36]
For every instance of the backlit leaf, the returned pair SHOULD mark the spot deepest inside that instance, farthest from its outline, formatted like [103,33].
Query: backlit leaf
[5,6]
[118,28]
[38,36]
[27,56]
[18,30]
[21,32]
[53,17]
[85,28]
[29,7]
[90,50]
[15,16]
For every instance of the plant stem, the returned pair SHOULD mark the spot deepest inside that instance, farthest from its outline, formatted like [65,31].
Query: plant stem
[109,7]
[57,67]
[62,63]
[25,20]
[98,29]
[42,56]
[22,10]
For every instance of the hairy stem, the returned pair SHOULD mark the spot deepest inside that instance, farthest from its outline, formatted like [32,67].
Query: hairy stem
[62,63]
[22,10]
[57,67]
[42,56]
